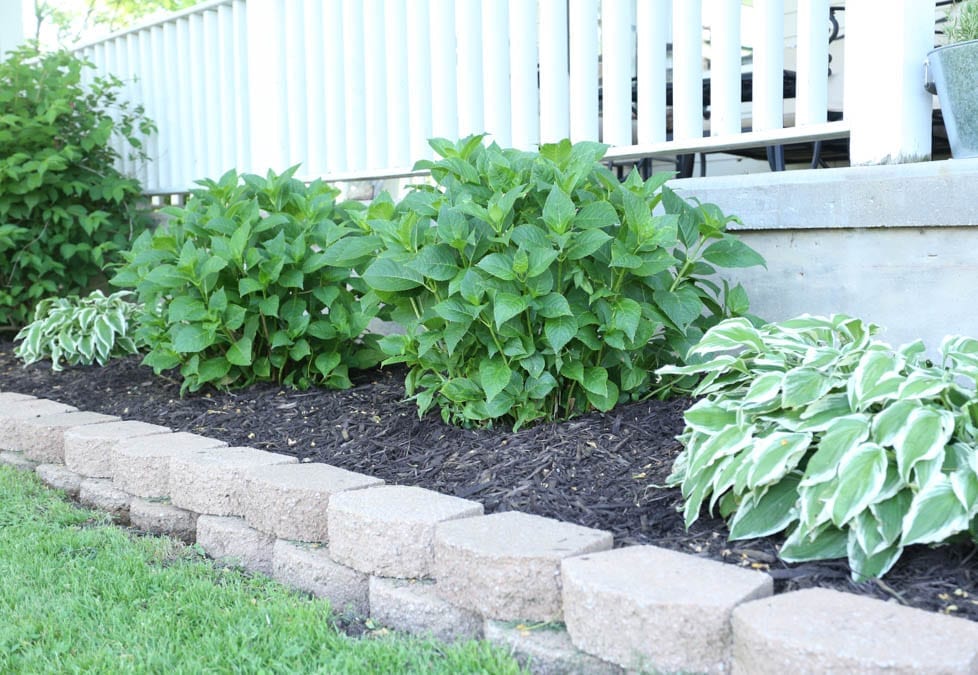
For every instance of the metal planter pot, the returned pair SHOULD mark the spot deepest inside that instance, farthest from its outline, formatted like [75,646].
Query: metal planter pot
[952,74]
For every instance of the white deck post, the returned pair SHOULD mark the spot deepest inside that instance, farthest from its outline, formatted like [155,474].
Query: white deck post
[11,25]
[888,110]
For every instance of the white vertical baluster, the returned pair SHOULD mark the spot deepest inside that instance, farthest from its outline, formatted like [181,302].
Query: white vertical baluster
[811,97]
[226,99]
[523,79]
[419,78]
[583,88]
[242,101]
[467,19]
[398,122]
[554,76]
[198,96]
[444,66]
[375,84]
[617,48]
[768,108]
[294,76]
[267,105]
[214,110]
[314,96]
[156,92]
[134,96]
[334,84]
[687,69]
[171,144]
[495,63]
[356,105]
[652,25]
[725,67]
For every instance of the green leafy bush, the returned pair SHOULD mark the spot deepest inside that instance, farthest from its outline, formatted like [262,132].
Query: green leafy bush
[813,427]
[252,281]
[537,285]
[65,210]
[79,331]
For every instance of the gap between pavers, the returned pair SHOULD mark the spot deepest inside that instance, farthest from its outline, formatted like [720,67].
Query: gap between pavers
[141,466]
[413,606]
[389,531]
[212,481]
[89,450]
[42,439]
[507,565]
[290,501]
[615,600]
[819,630]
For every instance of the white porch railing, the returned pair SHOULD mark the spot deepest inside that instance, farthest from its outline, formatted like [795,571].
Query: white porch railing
[353,88]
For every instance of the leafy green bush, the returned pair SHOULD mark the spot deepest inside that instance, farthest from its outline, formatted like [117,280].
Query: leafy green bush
[547,287]
[64,209]
[80,331]
[252,281]
[854,448]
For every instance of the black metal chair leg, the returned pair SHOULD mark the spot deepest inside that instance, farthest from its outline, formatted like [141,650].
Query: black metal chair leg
[775,157]
[684,165]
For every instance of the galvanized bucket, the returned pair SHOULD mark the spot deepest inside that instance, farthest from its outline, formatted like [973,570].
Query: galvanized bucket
[951,72]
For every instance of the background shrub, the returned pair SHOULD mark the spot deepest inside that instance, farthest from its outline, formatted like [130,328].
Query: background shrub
[65,210]
[254,280]
[79,331]
[812,427]
[547,287]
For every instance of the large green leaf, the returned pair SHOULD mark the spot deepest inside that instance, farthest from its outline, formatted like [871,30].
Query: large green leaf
[866,566]
[559,331]
[802,386]
[774,456]
[192,338]
[506,306]
[923,437]
[838,441]
[585,243]
[827,543]
[558,210]
[729,441]
[709,416]
[682,305]
[731,252]
[386,274]
[494,376]
[935,514]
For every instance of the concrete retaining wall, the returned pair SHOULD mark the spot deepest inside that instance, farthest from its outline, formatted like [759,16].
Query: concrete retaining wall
[557,595]
[891,244]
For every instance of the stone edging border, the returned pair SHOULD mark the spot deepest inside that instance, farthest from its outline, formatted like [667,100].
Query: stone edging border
[426,563]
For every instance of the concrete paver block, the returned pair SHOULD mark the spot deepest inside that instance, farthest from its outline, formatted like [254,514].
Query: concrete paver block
[290,500]
[211,481]
[142,465]
[820,630]
[309,568]
[16,460]
[11,396]
[163,519]
[19,409]
[507,565]
[413,606]
[390,530]
[230,540]
[43,438]
[546,650]
[614,601]
[89,449]
[101,494]
[60,477]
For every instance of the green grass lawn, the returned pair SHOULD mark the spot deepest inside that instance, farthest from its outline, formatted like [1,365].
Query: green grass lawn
[80,595]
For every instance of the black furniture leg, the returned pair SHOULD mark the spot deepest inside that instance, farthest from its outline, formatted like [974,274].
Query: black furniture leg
[775,157]
[684,165]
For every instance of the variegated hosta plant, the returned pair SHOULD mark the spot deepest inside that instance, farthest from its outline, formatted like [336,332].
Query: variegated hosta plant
[80,331]
[813,427]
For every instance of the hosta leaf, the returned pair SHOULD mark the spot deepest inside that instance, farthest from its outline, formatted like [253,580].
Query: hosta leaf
[827,543]
[922,437]
[736,333]
[802,386]
[772,512]
[867,531]
[935,514]
[890,513]
[763,389]
[920,384]
[709,417]
[891,421]
[861,476]
[730,441]
[877,376]
[838,441]
[774,456]
[866,566]
[964,483]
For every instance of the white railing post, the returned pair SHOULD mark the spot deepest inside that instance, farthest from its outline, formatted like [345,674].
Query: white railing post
[652,27]
[266,63]
[813,62]
[768,106]
[523,73]
[886,105]
[11,26]
[554,71]
[687,69]
[617,48]
[725,68]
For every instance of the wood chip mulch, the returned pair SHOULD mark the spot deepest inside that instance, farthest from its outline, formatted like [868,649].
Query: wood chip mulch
[599,470]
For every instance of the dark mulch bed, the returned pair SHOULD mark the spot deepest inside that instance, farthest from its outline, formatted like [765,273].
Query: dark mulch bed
[599,470]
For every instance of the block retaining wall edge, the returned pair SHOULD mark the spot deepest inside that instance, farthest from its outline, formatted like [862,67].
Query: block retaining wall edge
[618,600]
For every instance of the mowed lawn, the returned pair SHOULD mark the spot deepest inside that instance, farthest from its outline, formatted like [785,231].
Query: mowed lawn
[80,595]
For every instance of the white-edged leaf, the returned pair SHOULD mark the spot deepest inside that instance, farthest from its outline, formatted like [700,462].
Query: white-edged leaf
[803,386]
[890,422]
[935,514]
[730,334]
[770,513]
[801,545]
[861,476]
[876,377]
[774,456]
[921,384]
[729,441]
[923,437]
[866,566]
[709,417]
[838,441]
[764,389]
